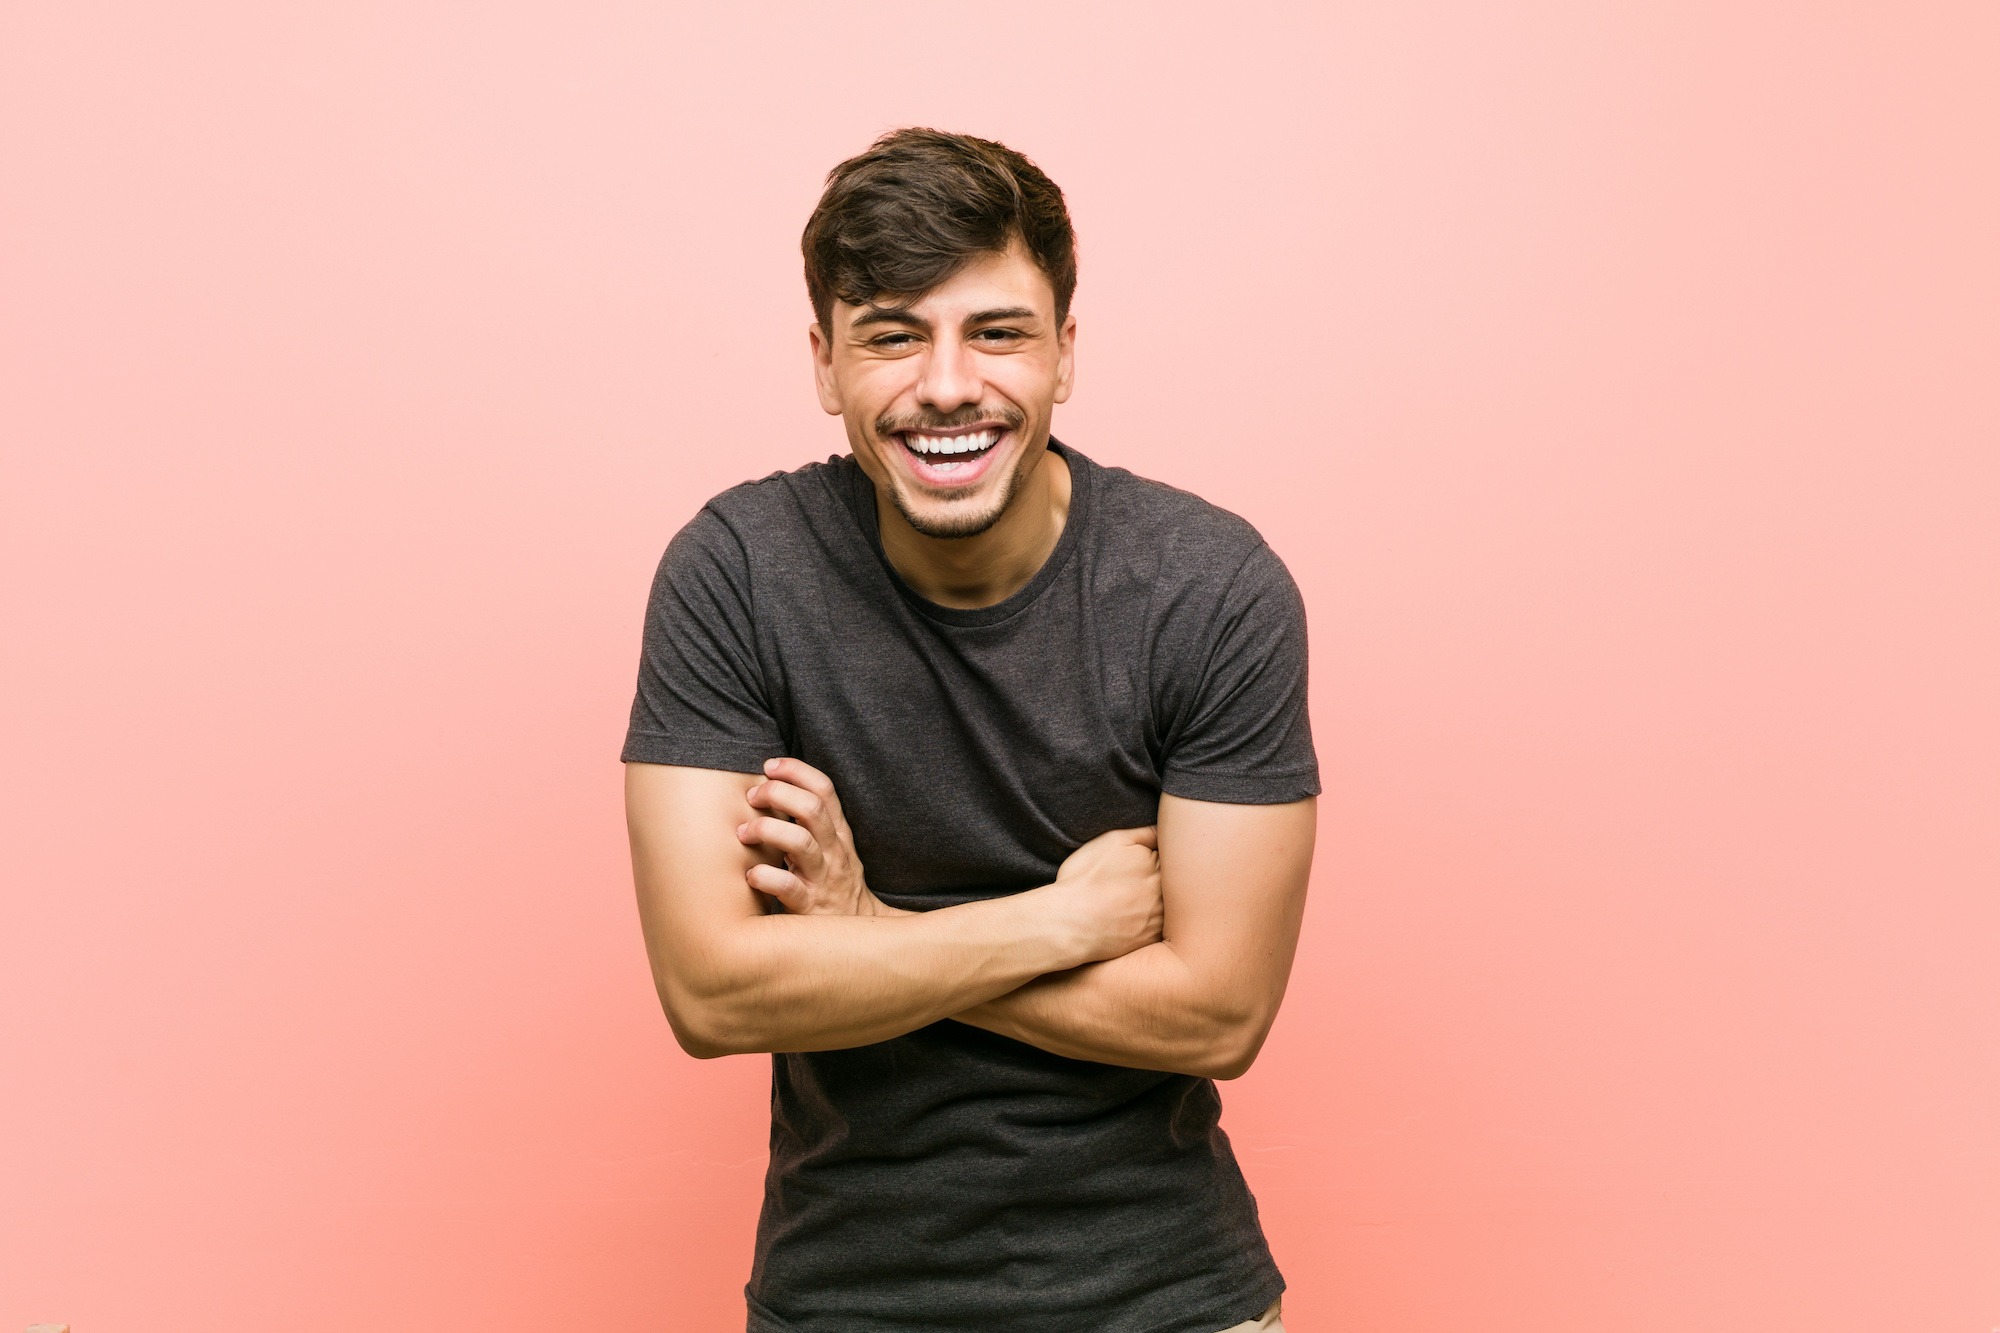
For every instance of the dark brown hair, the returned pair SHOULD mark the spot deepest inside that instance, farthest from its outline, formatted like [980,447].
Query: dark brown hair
[911,211]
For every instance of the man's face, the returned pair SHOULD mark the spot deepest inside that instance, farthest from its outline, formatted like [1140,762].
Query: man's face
[947,399]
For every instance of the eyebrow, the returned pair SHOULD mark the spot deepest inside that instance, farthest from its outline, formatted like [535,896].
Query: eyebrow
[889,314]
[1005,312]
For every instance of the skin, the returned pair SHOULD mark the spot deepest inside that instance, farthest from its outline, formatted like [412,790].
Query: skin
[983,348]
[734,978]
[1159,948]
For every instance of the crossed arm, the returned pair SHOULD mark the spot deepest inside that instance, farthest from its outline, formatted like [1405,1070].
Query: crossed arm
[1164,948]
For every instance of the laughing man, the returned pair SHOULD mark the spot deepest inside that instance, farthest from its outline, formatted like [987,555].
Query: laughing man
[973,780]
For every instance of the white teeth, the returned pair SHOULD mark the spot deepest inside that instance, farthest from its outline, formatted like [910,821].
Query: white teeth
[952,444]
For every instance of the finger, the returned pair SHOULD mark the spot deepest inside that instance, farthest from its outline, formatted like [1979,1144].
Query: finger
[794,841]
[1146,837]
[803,775]
[778,883]
[796,802]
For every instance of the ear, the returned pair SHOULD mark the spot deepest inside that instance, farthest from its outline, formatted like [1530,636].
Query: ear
[1065,358]
[823,380]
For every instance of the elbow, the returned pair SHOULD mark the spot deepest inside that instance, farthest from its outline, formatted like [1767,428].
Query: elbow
[692,1031]
[697,1041]
[717,1000]
[1232,1048]
[1226,1061]
[702,1026]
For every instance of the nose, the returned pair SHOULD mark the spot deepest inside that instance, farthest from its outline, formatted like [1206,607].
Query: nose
[951,377]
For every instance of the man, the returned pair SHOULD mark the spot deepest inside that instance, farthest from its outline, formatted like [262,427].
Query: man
[974,781]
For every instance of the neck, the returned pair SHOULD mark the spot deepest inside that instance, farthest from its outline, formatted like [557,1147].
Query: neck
[971,572]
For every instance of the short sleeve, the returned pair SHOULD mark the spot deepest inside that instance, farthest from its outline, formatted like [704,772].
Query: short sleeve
[1241,734]
[701,700]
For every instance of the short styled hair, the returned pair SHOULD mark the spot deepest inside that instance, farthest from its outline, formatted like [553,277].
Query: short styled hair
[918,206]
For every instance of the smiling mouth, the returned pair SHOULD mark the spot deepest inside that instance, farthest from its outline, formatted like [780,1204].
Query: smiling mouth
[945,455]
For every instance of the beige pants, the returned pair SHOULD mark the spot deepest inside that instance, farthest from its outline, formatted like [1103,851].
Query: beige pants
[1268,1322]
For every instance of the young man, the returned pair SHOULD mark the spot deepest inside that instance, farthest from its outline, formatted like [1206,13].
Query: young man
[974,781]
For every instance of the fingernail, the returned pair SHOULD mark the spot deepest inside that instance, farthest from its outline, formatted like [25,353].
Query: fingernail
[770,764]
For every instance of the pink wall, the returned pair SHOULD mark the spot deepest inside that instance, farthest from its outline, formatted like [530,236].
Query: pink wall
[1619,385]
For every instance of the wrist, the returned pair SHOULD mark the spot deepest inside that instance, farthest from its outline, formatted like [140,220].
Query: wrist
[870,905]
[1069,934]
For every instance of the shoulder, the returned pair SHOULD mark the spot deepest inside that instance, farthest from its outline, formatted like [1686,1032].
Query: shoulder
[1225,644]
[1169,511]
[1195,550]
[779,502]
[763,515]
[744,537]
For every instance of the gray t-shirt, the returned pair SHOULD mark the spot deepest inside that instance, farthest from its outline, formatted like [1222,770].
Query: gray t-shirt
[950,1178]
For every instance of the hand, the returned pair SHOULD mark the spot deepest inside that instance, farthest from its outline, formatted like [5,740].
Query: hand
[821,874]
[1112,886]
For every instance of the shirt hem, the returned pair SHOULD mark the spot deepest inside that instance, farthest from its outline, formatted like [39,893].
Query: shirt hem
[1242,788]
[1255,1299]
[643,747]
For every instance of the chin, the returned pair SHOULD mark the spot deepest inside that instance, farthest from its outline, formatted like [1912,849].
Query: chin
[952,519]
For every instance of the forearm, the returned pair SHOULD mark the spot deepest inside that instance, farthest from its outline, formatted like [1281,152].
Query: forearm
[823,982]
[1202,1000]
[1147,1010]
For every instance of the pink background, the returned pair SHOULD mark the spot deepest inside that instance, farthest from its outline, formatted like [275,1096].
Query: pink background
[1618,381]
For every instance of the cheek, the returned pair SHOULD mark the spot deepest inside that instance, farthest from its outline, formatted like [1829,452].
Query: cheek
[1027,387]
[875,387]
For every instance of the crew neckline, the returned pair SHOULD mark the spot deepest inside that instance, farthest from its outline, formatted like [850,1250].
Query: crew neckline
[1082,482]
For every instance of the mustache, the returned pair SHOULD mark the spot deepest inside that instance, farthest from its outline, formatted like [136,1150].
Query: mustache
[891,424]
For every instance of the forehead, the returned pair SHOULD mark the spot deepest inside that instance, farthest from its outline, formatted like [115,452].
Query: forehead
[998,279]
